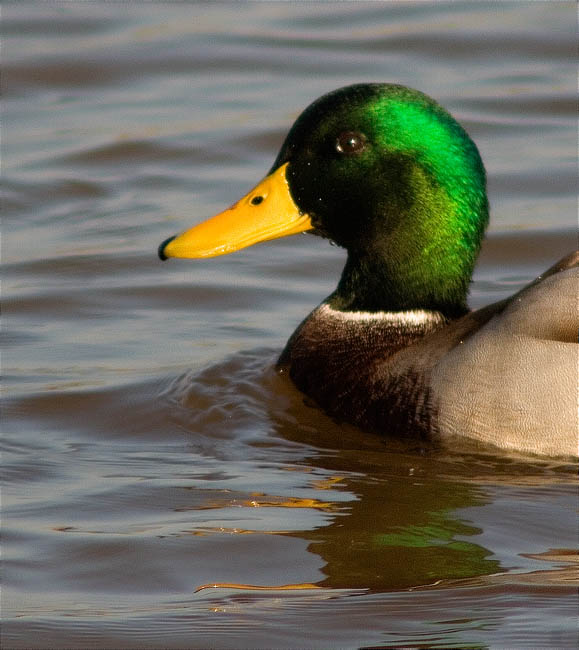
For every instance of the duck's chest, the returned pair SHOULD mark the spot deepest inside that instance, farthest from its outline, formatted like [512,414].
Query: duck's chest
[350,364]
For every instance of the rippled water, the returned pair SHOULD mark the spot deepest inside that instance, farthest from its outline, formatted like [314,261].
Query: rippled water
[149,449]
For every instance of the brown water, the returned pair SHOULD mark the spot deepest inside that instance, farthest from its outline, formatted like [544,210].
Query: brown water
[149,449]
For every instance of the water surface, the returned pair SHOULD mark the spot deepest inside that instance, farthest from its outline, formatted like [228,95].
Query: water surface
[149,448]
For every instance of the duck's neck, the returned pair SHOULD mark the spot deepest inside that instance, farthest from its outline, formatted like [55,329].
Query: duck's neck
[389,283]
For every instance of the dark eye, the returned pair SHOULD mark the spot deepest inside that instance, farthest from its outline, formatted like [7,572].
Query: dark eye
[350,142]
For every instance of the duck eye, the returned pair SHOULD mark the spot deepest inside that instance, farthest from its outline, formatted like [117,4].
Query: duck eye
[350,142]
[256,200]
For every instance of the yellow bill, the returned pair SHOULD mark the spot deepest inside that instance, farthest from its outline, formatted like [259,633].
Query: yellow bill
[267,212]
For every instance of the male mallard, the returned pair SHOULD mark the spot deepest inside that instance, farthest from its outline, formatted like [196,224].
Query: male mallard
[388,174]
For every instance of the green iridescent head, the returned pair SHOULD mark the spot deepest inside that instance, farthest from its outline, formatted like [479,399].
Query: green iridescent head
[388,174]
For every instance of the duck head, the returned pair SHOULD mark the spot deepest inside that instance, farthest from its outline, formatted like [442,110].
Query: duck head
[384,172]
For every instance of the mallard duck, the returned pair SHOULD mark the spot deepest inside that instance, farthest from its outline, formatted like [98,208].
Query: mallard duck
[385,172]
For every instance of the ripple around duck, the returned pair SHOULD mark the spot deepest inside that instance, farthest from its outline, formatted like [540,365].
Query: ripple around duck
[525,104]
[535,183]
[42,23]
[79,268]
[229,401]
[467,45]
[135,151]
[417,619]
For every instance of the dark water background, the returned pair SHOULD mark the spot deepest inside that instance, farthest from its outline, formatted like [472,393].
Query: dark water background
[148,447]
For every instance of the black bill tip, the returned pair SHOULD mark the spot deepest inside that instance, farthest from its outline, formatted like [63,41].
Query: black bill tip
[162,247]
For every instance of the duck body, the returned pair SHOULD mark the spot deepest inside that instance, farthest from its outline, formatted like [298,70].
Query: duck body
[388,174]
[505,374]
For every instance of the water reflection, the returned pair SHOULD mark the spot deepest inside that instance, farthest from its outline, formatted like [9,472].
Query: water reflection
[402,528]
[390,541]
[393,507]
